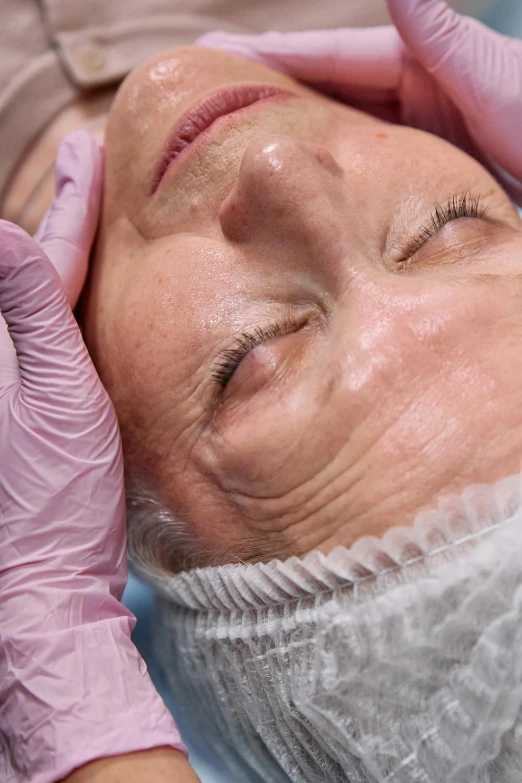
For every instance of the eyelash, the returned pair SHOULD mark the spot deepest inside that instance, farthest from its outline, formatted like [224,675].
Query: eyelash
[228,361]
[459,206]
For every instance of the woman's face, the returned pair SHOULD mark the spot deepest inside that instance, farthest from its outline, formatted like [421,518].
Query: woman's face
[383,349]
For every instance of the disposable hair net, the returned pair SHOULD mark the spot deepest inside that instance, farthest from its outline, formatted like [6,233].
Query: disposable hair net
[398,660]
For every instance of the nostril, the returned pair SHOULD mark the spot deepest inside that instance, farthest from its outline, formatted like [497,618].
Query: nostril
[232,218]
[325,158]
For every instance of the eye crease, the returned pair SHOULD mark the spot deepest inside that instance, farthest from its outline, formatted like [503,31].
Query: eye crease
[462,205]
[229,360]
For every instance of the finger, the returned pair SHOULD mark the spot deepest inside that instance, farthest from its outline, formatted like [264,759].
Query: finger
[67,231]
[479,69]
[368,57]
[52,359]
[428,107]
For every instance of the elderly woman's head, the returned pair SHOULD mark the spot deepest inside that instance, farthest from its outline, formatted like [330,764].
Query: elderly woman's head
[310,321]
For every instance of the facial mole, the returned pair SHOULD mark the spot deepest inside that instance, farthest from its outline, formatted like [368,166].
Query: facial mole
[382,135]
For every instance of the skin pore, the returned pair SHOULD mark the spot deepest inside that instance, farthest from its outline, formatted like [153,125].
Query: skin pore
[389,368]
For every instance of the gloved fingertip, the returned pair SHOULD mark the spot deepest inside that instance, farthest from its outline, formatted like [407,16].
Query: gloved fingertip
[215,40]
[249,47]
[431,29]
[67,229]
[79,160]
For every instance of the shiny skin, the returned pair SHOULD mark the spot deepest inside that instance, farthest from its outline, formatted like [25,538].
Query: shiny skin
[397,379]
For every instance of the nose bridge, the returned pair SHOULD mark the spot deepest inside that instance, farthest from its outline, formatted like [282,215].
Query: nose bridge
[286,188]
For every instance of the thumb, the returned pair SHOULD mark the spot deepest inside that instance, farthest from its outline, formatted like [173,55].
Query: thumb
[479,69]
[364,58]
[67,230]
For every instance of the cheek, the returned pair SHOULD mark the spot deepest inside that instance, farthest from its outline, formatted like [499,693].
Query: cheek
[448,388]
[258,449]
[268,441]
[405,370]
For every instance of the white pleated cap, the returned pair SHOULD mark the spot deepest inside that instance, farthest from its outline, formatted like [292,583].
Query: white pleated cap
[397,660]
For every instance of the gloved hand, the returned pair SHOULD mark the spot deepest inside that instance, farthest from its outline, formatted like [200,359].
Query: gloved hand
[72,685]
[437,71]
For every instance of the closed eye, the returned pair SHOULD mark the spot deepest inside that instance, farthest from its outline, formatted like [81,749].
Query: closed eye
[462,205]
[230,359]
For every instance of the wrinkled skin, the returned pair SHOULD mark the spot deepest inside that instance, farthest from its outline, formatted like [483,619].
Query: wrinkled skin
[397,376]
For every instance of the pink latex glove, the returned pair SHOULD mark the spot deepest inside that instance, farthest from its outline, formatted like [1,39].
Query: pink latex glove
[437,71]
[73,687]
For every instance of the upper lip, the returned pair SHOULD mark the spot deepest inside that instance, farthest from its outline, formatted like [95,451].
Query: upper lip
[200,116]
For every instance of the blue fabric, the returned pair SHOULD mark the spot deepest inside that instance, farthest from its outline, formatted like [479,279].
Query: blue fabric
[139,598]
[505,16]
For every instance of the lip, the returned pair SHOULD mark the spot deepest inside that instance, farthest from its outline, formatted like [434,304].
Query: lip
[202,118]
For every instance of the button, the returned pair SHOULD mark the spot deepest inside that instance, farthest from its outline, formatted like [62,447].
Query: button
[92,58]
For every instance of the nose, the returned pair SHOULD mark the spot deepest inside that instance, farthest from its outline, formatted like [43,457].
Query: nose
[286,188]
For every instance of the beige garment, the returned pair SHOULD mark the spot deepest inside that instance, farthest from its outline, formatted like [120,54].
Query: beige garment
[53,51]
